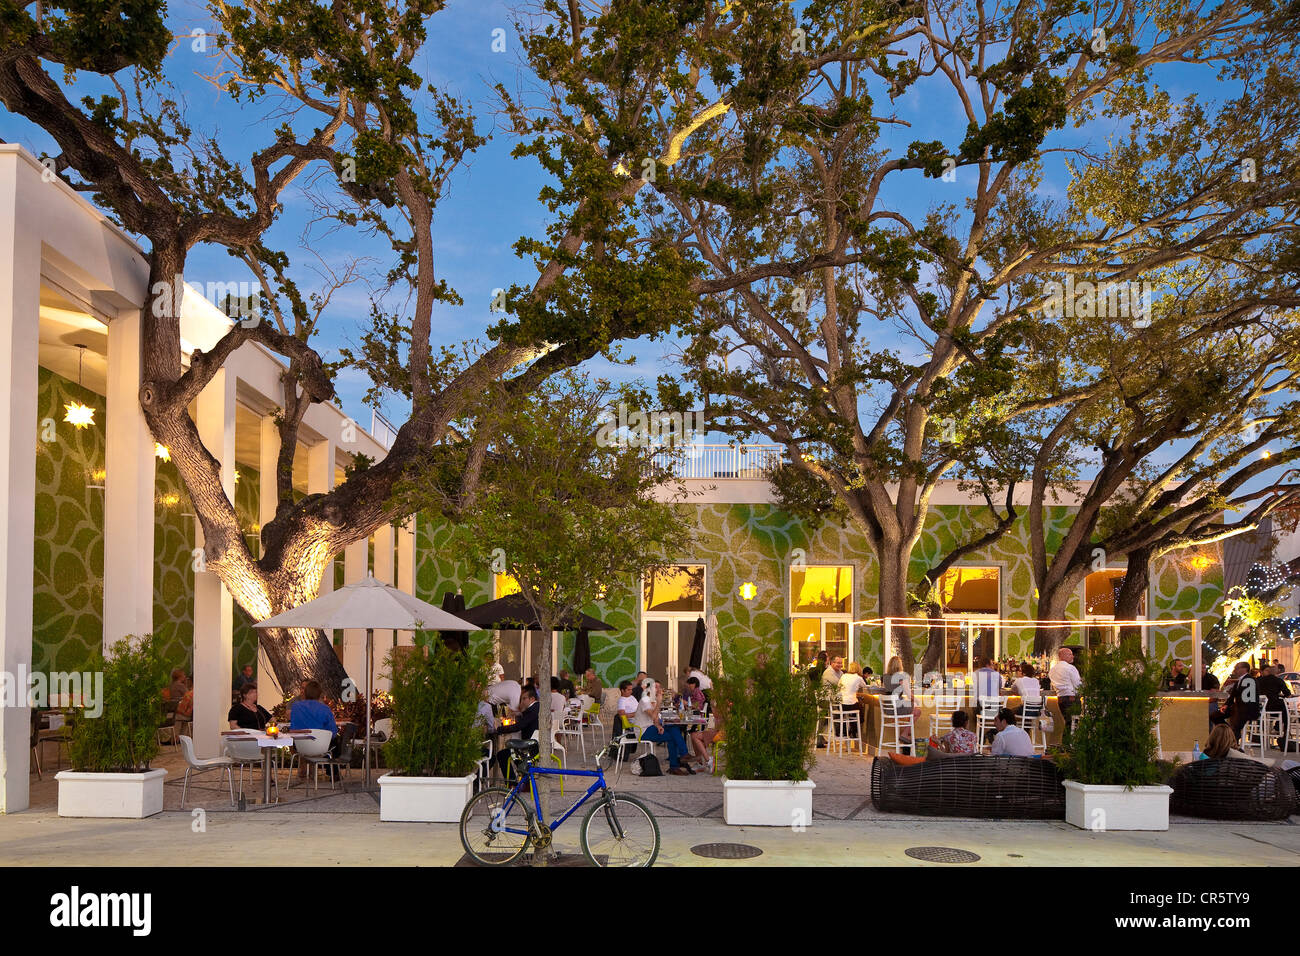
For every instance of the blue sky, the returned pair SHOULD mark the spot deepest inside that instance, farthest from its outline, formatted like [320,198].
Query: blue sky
[494,201]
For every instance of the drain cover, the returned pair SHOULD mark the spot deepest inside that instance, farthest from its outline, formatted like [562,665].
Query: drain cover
[726,851]
[941,854]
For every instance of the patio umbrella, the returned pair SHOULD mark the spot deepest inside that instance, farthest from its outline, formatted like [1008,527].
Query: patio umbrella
[454,603]
[713,648]
[697,646]
[368,604]
[513,613]
[581,652]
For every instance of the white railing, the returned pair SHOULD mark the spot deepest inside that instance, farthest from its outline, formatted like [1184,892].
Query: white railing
[725,461]
[381,430]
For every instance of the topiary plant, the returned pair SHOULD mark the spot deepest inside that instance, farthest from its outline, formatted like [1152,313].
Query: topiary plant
[436,692]
[771,721]
[123,738]
[1115,743]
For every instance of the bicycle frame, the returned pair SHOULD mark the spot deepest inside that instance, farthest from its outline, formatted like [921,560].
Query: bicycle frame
[531,771]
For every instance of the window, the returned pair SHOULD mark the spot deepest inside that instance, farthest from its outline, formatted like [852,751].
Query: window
[821,610]
[973,597]
[1100,595]
[672,604]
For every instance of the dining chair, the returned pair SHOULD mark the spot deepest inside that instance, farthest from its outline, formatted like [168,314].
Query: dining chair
[196,765]
[246,753]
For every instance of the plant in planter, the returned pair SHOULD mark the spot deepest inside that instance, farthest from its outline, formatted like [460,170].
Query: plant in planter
[435,745]
[110,751]
[770,743]
[1113,777]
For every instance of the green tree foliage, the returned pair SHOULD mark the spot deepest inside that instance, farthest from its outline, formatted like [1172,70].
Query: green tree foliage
[436,691]
[1115,744]
[771,720]
[124,737]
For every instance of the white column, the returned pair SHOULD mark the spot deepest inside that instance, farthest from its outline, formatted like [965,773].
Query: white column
[356,557]
[383,572]
[320,481]
[269,693]
[406,569]
[128,490]
[20,298]
[213,607]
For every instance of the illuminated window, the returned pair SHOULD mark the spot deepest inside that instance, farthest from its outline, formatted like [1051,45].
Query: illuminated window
[821,590]
[674,589]
[505,585]
[971,591]
[1101,592]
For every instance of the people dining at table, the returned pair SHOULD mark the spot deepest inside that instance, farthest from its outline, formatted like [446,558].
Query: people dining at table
[1010,740]
[706,683]
[248,714]
[564,684]
[310,713]
[592,685]
[650,727]
[505,693]
[525,725]
[693,694]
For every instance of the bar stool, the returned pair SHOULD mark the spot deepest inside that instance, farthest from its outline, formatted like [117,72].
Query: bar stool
[1031,714]
[845,726]
[989,707]
[892,718]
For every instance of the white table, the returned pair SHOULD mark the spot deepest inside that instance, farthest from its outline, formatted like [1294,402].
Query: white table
[268,744]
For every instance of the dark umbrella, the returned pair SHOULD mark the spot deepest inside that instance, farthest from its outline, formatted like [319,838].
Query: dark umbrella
[454,603]
[697,646]
[581,652]
[513,613]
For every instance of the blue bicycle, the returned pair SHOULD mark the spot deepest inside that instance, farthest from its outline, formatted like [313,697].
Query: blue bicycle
[500,823]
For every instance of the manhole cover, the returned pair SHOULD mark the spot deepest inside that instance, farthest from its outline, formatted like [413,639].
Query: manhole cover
[726,851]
[941,854]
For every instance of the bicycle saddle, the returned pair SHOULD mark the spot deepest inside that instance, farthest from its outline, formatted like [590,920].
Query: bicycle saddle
[523,748]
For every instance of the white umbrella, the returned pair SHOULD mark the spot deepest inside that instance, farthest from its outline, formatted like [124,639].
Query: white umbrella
[712,648]
[369,604]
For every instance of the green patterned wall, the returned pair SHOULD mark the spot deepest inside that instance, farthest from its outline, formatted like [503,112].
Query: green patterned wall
[741,543]
[68,558]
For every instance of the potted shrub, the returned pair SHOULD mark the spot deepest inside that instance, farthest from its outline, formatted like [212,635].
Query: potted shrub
[770,744]
[1112,770]
[111,744]
[435,745]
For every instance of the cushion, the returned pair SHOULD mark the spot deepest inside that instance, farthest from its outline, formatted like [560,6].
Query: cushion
[903,760]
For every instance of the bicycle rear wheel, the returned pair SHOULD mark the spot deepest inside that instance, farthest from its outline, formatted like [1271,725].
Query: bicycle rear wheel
[483,825]
[620,831]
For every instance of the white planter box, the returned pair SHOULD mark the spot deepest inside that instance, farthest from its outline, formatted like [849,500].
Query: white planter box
[133,795]
[424,799]
[1093,807]
[767,803]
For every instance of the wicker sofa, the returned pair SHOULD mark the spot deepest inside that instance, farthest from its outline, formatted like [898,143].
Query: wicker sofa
[998,788]
[1232,789]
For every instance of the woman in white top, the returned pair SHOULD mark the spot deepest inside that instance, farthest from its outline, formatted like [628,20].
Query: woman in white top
[646,720]
[1027,685]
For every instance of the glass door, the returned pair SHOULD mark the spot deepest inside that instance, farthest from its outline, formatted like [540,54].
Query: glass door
[666,649]
[811,635]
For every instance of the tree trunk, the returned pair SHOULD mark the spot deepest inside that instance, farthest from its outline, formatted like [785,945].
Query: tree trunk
[298,654]
[1128,605]
[542,855]
[1052,603]
[935,650]
[893,600]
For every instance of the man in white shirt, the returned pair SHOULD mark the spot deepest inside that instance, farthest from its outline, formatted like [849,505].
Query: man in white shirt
[1011,741]
[505,692]
[1065,685]
[496,673]
[699,675]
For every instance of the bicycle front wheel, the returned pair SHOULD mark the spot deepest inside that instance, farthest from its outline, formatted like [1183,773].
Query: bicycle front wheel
[495,827]
[620,831]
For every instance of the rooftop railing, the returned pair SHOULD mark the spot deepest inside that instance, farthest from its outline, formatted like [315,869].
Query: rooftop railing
[725,461]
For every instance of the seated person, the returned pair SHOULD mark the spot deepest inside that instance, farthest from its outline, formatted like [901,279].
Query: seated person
[176,689]
[1011,741]
[646,720]
[1222,743]
[525,726]
[1027,685]
[1176,678]
[558,703]
[959,740]
[563,683]
[248,714]
[185,709]
[702,739]
[308,713]
[486,719]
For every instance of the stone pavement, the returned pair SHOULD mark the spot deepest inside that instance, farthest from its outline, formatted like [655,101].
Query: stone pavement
[343,828]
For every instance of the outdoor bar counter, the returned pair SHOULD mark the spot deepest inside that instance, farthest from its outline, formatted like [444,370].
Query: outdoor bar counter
[1184,718]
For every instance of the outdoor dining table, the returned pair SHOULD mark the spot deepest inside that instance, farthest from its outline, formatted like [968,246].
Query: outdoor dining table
[268,744]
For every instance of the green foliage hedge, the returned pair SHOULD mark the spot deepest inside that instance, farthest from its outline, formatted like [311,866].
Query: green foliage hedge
[124,737]
[435,702]
[1116,744]
[771,722]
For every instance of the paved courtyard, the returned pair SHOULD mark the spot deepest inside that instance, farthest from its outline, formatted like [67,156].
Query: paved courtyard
[324,828]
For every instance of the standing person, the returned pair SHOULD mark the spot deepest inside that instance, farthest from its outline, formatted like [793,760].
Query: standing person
[706,684]
[245,676]
[1065,685]
[1208,680]
[496,672]
[506,692]
[1242,705]
[646,720]
[1010,740]
[1272,686]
